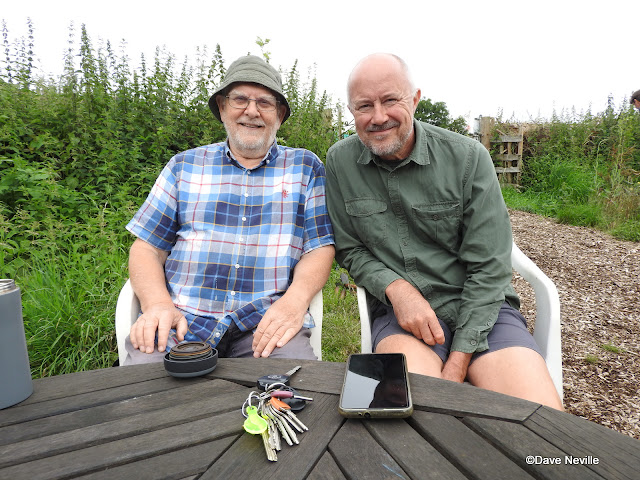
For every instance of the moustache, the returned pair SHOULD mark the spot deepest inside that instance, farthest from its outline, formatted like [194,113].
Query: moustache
[386,125]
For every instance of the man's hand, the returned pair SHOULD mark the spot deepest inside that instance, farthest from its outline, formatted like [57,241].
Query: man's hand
[455,368]
[280,324]
[285,317]
[414,313]
[160,318]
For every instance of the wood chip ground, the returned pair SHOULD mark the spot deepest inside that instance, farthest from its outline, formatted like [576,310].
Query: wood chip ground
[598,280]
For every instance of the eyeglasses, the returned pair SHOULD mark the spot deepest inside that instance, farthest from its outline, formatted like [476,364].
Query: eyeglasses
[263,104]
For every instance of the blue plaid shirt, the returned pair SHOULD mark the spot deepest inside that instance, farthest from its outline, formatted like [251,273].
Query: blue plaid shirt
[234,234]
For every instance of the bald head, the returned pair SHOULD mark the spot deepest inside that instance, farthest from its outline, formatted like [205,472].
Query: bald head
[382,99]
[386,64]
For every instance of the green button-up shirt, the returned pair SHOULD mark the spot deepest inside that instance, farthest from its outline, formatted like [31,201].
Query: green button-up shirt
[436,219]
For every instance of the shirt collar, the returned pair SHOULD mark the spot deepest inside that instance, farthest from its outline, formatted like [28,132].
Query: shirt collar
[419,154]
[272,154]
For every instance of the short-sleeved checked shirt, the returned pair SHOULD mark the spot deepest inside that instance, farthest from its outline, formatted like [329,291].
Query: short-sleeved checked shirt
[234,234]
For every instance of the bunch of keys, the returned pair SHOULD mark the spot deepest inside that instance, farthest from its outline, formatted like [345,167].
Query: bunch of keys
[273,419]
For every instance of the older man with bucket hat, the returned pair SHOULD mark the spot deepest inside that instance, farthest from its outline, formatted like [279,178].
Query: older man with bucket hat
[234,239]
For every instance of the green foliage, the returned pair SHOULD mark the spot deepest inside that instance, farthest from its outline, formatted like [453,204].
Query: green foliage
[611,348]
[592,359]
[437,114]
[341,320]
[584,170]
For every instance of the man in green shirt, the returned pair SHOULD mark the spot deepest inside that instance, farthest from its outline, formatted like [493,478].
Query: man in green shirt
[420,223]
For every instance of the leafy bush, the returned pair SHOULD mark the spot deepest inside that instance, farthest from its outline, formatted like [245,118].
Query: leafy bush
[587,167]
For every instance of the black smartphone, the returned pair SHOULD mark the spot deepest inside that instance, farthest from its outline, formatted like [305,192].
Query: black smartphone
[376,385]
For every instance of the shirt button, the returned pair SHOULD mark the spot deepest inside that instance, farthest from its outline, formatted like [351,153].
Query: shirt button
[237,265]
[217,334]
[244,219]
[246,194]
[436,217]
[472,342]
[233,293]
[242,239]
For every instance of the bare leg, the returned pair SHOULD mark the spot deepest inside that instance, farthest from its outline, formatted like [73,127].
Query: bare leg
[516,371]
[420,358]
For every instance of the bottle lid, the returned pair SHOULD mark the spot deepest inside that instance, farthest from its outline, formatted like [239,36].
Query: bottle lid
[6,285]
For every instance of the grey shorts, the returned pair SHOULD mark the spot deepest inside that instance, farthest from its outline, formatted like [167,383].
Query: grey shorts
[510,330]
[234,344]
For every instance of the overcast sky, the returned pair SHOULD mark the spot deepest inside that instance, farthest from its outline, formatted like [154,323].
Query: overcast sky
[481,58]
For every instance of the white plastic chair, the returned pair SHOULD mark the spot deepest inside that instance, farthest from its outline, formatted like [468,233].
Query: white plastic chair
[128,307]
[547,328]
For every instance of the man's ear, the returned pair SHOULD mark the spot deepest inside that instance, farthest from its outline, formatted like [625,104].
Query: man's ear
[282,111]
[220,102]
[416,99]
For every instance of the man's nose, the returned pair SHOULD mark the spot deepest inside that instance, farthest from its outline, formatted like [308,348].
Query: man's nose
[252,108]
[379,115]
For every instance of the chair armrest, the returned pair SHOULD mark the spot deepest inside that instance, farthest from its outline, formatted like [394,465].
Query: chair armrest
[315,309]
[127,310]
[365,322]
[547,332]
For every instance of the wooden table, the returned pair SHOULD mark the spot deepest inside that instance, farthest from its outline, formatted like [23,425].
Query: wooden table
[137,422]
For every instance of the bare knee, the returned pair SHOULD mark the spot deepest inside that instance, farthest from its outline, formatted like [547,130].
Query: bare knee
[516,371]
[420,358]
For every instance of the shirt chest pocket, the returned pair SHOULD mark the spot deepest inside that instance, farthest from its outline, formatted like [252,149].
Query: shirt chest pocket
[440,222]
[368,217]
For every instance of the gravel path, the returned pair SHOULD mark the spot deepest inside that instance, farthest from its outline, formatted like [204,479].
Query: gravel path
[598,280]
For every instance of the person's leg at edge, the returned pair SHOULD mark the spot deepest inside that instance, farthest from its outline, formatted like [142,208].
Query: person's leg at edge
[516,371]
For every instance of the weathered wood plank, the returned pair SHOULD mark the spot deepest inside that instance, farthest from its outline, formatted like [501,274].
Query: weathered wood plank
[506,157]
[413,453]
[186,392]
[126,450]
[324,377]
[136,424]
[508,139]
[72,402]
[618,455]
[246,457]
[442,396]
[62,386]
[359,455]
[326,469]
[518,442]
[431,393]
[507,170]
[465,449]
[189,462]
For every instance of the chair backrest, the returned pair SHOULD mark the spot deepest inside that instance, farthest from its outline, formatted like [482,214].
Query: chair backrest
[128,307]
[547,327]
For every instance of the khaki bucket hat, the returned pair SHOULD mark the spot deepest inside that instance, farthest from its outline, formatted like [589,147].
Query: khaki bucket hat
[251,69]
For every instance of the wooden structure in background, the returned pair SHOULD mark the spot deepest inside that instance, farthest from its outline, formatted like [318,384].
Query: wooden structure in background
[505,146]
